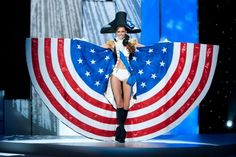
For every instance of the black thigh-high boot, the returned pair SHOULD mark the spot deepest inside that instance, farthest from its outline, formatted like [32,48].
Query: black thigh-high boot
[120,130]
[123,134]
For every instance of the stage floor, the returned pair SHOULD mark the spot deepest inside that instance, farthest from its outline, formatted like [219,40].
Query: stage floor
[220,145]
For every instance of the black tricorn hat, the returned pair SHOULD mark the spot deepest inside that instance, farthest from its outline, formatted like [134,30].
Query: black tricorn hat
[120,20]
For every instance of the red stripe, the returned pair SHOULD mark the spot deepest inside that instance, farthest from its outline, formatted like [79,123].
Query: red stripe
[73,84]
[63,92]
[53,100]
[186,105]
[168,85]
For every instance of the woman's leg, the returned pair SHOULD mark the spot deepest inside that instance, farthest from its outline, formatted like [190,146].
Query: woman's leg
[127,95]
[117,91]
[124,112]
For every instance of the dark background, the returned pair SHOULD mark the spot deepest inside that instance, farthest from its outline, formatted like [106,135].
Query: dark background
[15,27]
[216,24]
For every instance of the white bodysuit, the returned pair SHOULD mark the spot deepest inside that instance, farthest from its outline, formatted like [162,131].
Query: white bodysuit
[121,74]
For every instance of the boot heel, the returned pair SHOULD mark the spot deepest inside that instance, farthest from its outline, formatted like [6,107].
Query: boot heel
[118,134]
[122,135]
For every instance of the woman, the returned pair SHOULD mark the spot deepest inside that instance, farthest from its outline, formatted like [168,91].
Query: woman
[123,49]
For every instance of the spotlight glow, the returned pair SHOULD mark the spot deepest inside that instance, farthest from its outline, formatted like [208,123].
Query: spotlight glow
[229,123]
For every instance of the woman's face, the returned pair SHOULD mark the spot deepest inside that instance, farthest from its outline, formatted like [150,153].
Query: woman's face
[120,32]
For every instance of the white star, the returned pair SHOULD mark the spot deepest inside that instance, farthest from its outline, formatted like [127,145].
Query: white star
[100,70]
[106,76]
[87,73]
[92,50]
[150,50]
[143,84]
[79,47]
[164,50]
[148,62]
[140,72]
[97,83]
[134,58]
[162,64]
[107,57]
[80,61]
[93,61]
[153,76]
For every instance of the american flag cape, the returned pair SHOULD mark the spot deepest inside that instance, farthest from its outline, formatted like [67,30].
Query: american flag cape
[71,75]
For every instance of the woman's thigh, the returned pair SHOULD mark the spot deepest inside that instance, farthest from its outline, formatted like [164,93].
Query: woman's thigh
[127,95]
[117,91]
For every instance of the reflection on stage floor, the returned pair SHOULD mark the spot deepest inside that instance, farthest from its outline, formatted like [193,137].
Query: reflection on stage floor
[222,145]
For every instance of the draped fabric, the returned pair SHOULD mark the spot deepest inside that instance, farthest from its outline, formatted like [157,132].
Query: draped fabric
[71,76]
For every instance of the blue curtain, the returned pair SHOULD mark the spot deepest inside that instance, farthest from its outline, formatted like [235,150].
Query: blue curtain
[174,20]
